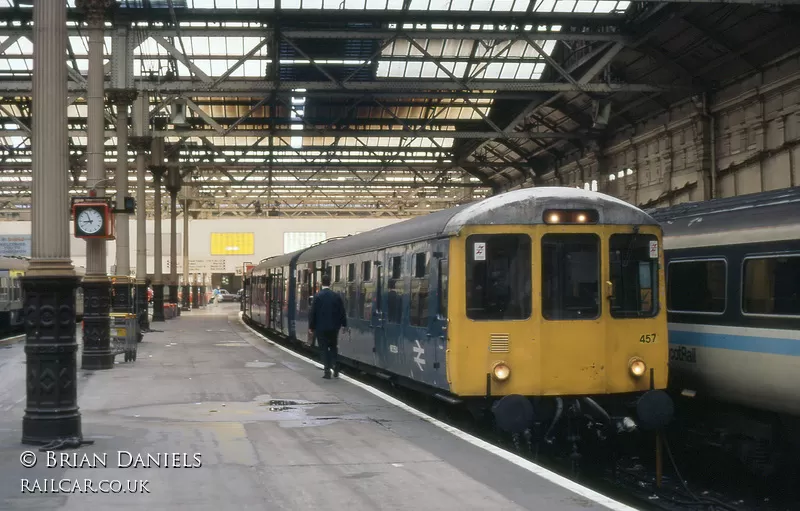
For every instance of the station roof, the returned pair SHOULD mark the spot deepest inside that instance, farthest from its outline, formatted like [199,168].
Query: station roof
[381,107]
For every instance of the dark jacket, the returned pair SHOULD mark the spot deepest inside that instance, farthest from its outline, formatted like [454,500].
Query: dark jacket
[327,312]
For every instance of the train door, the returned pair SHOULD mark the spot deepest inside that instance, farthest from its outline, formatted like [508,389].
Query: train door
[380,347]
[248,295]
[266,295]
[571,309]
[437,330]
[393,317]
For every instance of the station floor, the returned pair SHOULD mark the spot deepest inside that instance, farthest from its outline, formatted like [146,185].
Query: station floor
[269,431]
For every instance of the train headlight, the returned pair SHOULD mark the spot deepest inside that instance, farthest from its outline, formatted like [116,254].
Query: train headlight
[501,371]
[637,367]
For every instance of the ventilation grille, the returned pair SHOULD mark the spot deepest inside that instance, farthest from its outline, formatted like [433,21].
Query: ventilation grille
[499,343]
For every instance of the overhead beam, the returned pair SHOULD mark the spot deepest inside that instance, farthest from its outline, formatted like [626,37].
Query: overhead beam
[251,88]
[567,33]
[332,133]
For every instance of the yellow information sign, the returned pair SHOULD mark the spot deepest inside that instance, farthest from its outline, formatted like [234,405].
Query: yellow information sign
[232,243]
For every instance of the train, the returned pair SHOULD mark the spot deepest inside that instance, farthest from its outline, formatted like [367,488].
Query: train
[11,310]
[540,308]
[733,307]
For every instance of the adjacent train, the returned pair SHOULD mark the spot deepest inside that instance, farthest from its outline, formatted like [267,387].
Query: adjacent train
[733,305]
[11,312]
[543,305]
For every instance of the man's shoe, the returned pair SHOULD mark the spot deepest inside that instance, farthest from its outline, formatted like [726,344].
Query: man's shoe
[336,374]
[326,376]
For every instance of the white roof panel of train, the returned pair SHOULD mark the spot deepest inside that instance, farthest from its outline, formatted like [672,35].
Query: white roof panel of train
[527,206]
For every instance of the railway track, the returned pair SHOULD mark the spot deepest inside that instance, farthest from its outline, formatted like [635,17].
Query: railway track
[631,478]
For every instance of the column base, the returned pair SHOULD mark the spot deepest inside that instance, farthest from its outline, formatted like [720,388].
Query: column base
[142,308]
[158,303]
[51,410]
[97,352]
[186,303]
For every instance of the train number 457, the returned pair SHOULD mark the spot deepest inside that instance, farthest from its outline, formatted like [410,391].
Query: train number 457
[647,338]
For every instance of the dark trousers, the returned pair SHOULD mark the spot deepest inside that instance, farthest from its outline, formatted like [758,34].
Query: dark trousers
[329,346]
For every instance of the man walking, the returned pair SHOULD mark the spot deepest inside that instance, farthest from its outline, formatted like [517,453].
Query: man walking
[326,317]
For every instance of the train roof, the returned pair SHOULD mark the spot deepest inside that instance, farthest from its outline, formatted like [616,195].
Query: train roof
[523,206]
[751,218]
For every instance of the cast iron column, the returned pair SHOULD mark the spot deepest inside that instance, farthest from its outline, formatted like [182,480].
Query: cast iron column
[158,171]
[122,299]
[97,352]
[141,142]
[173,186]
[187,285]
[51,409]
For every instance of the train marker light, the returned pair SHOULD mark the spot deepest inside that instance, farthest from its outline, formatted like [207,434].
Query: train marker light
[501,371]
[637,367]
[571,216]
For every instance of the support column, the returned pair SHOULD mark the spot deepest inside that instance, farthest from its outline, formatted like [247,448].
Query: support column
[158,169]
[187,284]
[173,187]
[122,299]
[97,352]
[141,142]
[51,409]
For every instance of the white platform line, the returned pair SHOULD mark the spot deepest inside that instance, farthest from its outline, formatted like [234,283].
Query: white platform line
[477,442]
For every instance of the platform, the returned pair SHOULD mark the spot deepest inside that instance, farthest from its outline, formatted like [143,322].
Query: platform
[270,432]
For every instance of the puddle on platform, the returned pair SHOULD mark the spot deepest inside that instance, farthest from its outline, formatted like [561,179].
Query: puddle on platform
[289,413]
[258,364]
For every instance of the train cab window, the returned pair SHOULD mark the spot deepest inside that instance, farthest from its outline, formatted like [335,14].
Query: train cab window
[337,273]
[697,286]
[498,276]
[634,275]
[418,310]
[396,290]
[351,272]
[771,285]
[366,271]
[570,276]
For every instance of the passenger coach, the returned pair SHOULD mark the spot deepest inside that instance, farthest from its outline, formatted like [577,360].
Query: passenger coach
[548,293]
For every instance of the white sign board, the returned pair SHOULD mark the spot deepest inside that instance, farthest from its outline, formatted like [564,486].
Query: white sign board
[480,251]
[654,250]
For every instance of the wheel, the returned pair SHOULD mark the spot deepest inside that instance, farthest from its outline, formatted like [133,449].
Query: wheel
[126,356]
[134,355]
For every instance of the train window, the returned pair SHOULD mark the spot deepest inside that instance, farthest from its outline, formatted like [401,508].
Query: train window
[418,309]
[570,276]
[351,272]
[420,265]
[697,286]
[498,276]
[396,290]
[634,275]
[366,271]
[337,273]
[770,285]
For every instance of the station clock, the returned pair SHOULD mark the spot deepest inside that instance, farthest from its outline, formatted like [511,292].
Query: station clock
[93,220]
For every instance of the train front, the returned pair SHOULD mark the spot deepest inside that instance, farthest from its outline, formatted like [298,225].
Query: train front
[557,312]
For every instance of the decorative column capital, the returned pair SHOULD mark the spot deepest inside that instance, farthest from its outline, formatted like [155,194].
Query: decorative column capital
[95,10]
[122,97]
[141,144]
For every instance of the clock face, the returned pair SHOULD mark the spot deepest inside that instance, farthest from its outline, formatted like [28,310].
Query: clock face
[90,221]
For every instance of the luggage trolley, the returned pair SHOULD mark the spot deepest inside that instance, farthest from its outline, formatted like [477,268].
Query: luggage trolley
[123,328]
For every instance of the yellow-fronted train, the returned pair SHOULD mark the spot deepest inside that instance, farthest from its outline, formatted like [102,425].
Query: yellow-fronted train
[541,305]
